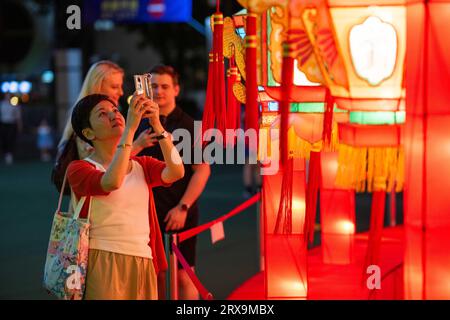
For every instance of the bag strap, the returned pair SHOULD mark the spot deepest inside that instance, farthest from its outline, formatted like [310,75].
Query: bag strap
[80,203]
[61,193]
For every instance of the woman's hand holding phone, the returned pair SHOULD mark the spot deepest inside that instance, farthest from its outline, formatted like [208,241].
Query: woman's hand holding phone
[138,107]
[152,114]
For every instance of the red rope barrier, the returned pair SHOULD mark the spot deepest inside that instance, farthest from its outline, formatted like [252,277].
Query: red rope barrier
[206,295]
[194,231]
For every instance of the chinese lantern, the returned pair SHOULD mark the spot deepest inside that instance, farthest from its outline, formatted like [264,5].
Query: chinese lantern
[285,253]
[337,209]
[427,149]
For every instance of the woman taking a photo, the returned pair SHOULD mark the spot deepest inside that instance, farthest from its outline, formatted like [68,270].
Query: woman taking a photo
[125,245]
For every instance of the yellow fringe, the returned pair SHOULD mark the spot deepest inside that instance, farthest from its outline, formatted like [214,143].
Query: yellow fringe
[371,169]
[400,177]
[298,147]
[334,143]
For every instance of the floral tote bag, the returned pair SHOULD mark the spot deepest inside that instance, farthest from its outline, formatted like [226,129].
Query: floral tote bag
[67,253]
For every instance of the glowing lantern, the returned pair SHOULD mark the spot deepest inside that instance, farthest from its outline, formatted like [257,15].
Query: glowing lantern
[360,46]
[427,205]
[278,23]
[304,97]
[370,158]
[285,253]
[337,209]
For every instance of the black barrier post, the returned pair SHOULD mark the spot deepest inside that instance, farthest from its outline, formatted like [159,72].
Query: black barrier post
[172,276]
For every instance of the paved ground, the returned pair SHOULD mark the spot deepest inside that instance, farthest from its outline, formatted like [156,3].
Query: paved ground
[28,200]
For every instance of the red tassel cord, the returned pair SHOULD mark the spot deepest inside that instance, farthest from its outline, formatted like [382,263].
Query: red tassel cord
[314,177]
[287,163]
[208,110]
[284,216]
[287,74]
[376,229]
[214,114]
[287,82]
[251,106]
[239,114]
[232,103]
[219,74]
[328,121]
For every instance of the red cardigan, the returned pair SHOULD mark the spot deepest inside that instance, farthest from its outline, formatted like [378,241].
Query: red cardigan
[84,179]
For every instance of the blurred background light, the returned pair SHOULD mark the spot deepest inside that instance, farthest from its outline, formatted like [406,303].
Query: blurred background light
[13,86]
[14,101]
[5,87]
[47,76]
[25,98]
[25,87]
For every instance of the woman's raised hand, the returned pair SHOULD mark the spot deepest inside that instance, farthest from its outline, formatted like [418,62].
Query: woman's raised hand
[138,107]
[153,115]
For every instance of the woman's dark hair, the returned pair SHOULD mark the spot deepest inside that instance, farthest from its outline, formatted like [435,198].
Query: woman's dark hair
[82,111]
[67,152]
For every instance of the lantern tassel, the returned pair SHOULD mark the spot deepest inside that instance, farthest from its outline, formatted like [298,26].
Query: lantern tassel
[299,147]
[328,122]
[214,114]
[208,110]
[287,77]
[370,168]
[284,217]
[219,74]
[232,103]
[251,86]
[314,177]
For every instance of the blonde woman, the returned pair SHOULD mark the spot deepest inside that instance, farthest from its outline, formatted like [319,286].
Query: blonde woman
[104,77]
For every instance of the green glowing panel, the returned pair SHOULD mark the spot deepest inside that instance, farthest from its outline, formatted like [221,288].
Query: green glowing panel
[311,107]
[377,117]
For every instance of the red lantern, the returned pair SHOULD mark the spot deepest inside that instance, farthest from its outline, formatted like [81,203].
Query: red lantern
[427,149]
[360,47]
[337,209]
[285,254]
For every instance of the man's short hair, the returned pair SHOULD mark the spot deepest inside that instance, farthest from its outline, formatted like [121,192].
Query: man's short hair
[163,69]
[82,111]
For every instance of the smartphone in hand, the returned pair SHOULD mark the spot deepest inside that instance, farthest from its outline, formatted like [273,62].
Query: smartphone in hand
[139,84]
[143,84]
[148,86]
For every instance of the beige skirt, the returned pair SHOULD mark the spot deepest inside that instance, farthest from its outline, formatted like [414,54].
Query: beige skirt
[114,276]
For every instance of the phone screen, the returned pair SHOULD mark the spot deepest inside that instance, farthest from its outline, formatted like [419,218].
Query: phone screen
[148,86]
[143,85]
[139,84]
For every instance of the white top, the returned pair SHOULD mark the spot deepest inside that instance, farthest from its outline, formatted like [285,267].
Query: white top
[119,221]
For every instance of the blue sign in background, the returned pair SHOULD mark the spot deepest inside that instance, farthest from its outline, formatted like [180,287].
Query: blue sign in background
[137,11]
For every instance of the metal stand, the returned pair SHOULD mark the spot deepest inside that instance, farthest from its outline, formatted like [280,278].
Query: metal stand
[172,276]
